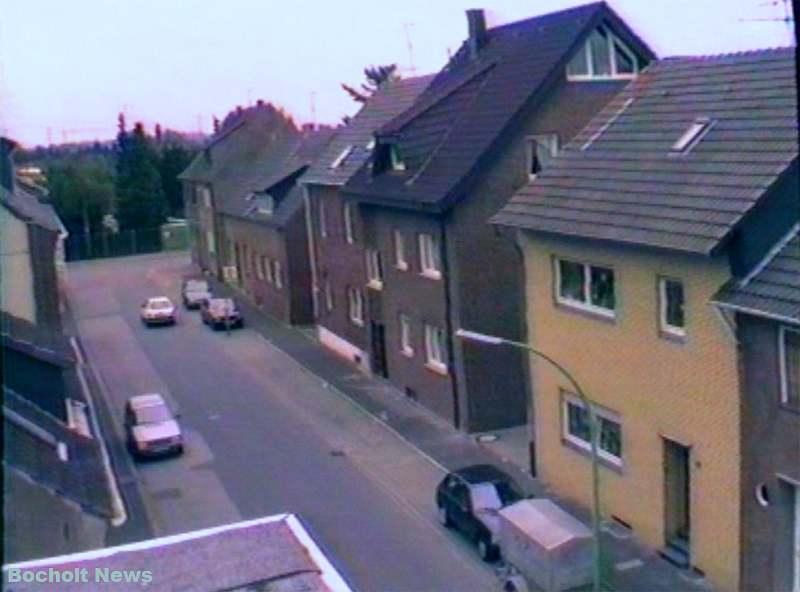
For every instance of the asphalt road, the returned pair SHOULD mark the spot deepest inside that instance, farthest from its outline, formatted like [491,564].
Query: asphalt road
[264,437]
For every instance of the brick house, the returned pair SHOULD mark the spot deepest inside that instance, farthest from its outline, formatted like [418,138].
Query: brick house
[334,228]
[31,248]
[686,180]
[765,306]
[493,117]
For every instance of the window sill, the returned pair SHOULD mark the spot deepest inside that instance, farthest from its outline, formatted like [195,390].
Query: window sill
[356,322]
[673,336]
[431,274]
[616,466]
[409,353]
[593,312]
[375,285]
[436,368]
[401,266]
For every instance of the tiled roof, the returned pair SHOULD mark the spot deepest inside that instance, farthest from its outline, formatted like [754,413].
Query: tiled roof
[773,290]
[28,207]
[388,101]
[620,181]
[35,340]
[474,100]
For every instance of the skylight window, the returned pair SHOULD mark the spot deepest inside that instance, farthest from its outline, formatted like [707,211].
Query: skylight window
[692,136]
[339,161]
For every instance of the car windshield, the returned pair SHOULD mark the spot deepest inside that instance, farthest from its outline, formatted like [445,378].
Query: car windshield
[153,414]
[160,304]
[485,497]
[196,286]
[223,305]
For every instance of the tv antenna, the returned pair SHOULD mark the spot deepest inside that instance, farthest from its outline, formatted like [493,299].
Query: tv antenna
[410,46]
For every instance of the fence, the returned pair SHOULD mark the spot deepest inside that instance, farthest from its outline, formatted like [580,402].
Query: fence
[98,245]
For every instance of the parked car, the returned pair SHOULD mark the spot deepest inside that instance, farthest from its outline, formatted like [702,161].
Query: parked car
[194,293]
[469,499]
[220,313]
[158,311]
[151,428]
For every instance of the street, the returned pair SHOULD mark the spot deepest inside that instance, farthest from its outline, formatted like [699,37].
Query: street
[264,436]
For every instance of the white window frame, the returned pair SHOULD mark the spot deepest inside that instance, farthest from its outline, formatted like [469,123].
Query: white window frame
[614,75]
[692,136]
[347,212]
[404,324]
[277,274]
[782,355]
[211,241]
[663,307]
[570,399]
[323,222]
[259,266]
[205,195]
[355,306]
[396,159]
[435,352]
[339,160]
[269,277]
[374,269]
[587,289]
[400,261]
[549,141]
[429,256]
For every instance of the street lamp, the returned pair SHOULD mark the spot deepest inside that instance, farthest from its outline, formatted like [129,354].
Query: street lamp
[594,432]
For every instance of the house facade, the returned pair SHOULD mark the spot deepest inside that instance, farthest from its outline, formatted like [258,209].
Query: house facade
[627,239]
[441,169]
[765,309]
[335,226]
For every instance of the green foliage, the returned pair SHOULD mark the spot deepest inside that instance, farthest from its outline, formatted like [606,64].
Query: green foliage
[174,159]
[81,190]
[376,76]
[140,195]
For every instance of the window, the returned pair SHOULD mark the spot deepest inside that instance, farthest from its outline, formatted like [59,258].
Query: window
[268,270]
[577,429]
[603,56]
[541,150]
[328,295]
[400,251]
[429,260]
[265,273]
[257,266]
[355,304]
[405,336]
[371,144]
[277,275]
[396,158]
[374,269]
[789,351]
[323,226]
[211,242]
[586,286]
[435,348]
[339,160]
[671,302]
[348,223]
[692,136]
[204,195]
[265,204]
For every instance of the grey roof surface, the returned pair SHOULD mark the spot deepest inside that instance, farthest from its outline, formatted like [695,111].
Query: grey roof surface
[35,340]
[29,208]
[81,479]
[274,553]
[626,186]
[475,99]
[774,289]
[389,100]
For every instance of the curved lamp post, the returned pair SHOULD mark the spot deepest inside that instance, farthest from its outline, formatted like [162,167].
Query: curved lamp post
[594,433]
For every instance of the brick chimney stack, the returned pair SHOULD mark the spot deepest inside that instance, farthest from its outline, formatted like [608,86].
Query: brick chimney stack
[476,26]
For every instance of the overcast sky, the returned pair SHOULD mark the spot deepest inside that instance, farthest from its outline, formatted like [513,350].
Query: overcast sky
[70,67]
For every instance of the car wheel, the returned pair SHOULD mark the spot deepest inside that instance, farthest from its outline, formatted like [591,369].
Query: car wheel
[444,517]
[486,550]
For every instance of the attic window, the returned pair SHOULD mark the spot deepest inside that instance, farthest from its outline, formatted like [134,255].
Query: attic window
[692,136]
[396,158]
[603,57]
[265,204]
[339,161]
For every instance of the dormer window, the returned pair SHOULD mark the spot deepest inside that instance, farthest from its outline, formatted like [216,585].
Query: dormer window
[540,151]
[339,160]
[265,204]
[603,57]
[396,158]
[692,136]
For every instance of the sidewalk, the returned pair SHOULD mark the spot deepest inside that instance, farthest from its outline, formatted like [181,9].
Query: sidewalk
[629,565]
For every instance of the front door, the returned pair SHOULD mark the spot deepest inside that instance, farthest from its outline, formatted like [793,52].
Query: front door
[378,349]
[677,496]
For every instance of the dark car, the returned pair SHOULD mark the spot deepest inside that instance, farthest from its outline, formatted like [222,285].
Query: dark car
[194,293]
[221,313]
[468,500]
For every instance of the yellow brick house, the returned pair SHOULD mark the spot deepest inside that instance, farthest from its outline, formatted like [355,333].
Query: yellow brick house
[683,182]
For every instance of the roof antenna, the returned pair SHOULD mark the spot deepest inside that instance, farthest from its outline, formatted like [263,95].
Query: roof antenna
[314,109]
[411,68]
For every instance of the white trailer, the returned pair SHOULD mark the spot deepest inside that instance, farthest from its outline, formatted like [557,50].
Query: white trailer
[544,547]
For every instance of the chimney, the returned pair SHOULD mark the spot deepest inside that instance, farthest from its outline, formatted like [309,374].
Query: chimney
[7,148]
[476,25]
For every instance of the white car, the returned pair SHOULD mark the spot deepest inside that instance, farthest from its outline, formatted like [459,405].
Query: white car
[158,311]
[151,428]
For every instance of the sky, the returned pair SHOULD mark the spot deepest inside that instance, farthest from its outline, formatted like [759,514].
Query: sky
[68,68]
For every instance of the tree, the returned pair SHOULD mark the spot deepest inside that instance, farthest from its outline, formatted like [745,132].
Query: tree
[376,76]
[82,191]
[173,161]
[140,196]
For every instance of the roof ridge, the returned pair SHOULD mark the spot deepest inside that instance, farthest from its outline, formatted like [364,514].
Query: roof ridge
[730,54]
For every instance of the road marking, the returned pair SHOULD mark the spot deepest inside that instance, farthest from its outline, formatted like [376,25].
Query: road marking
[630,564]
